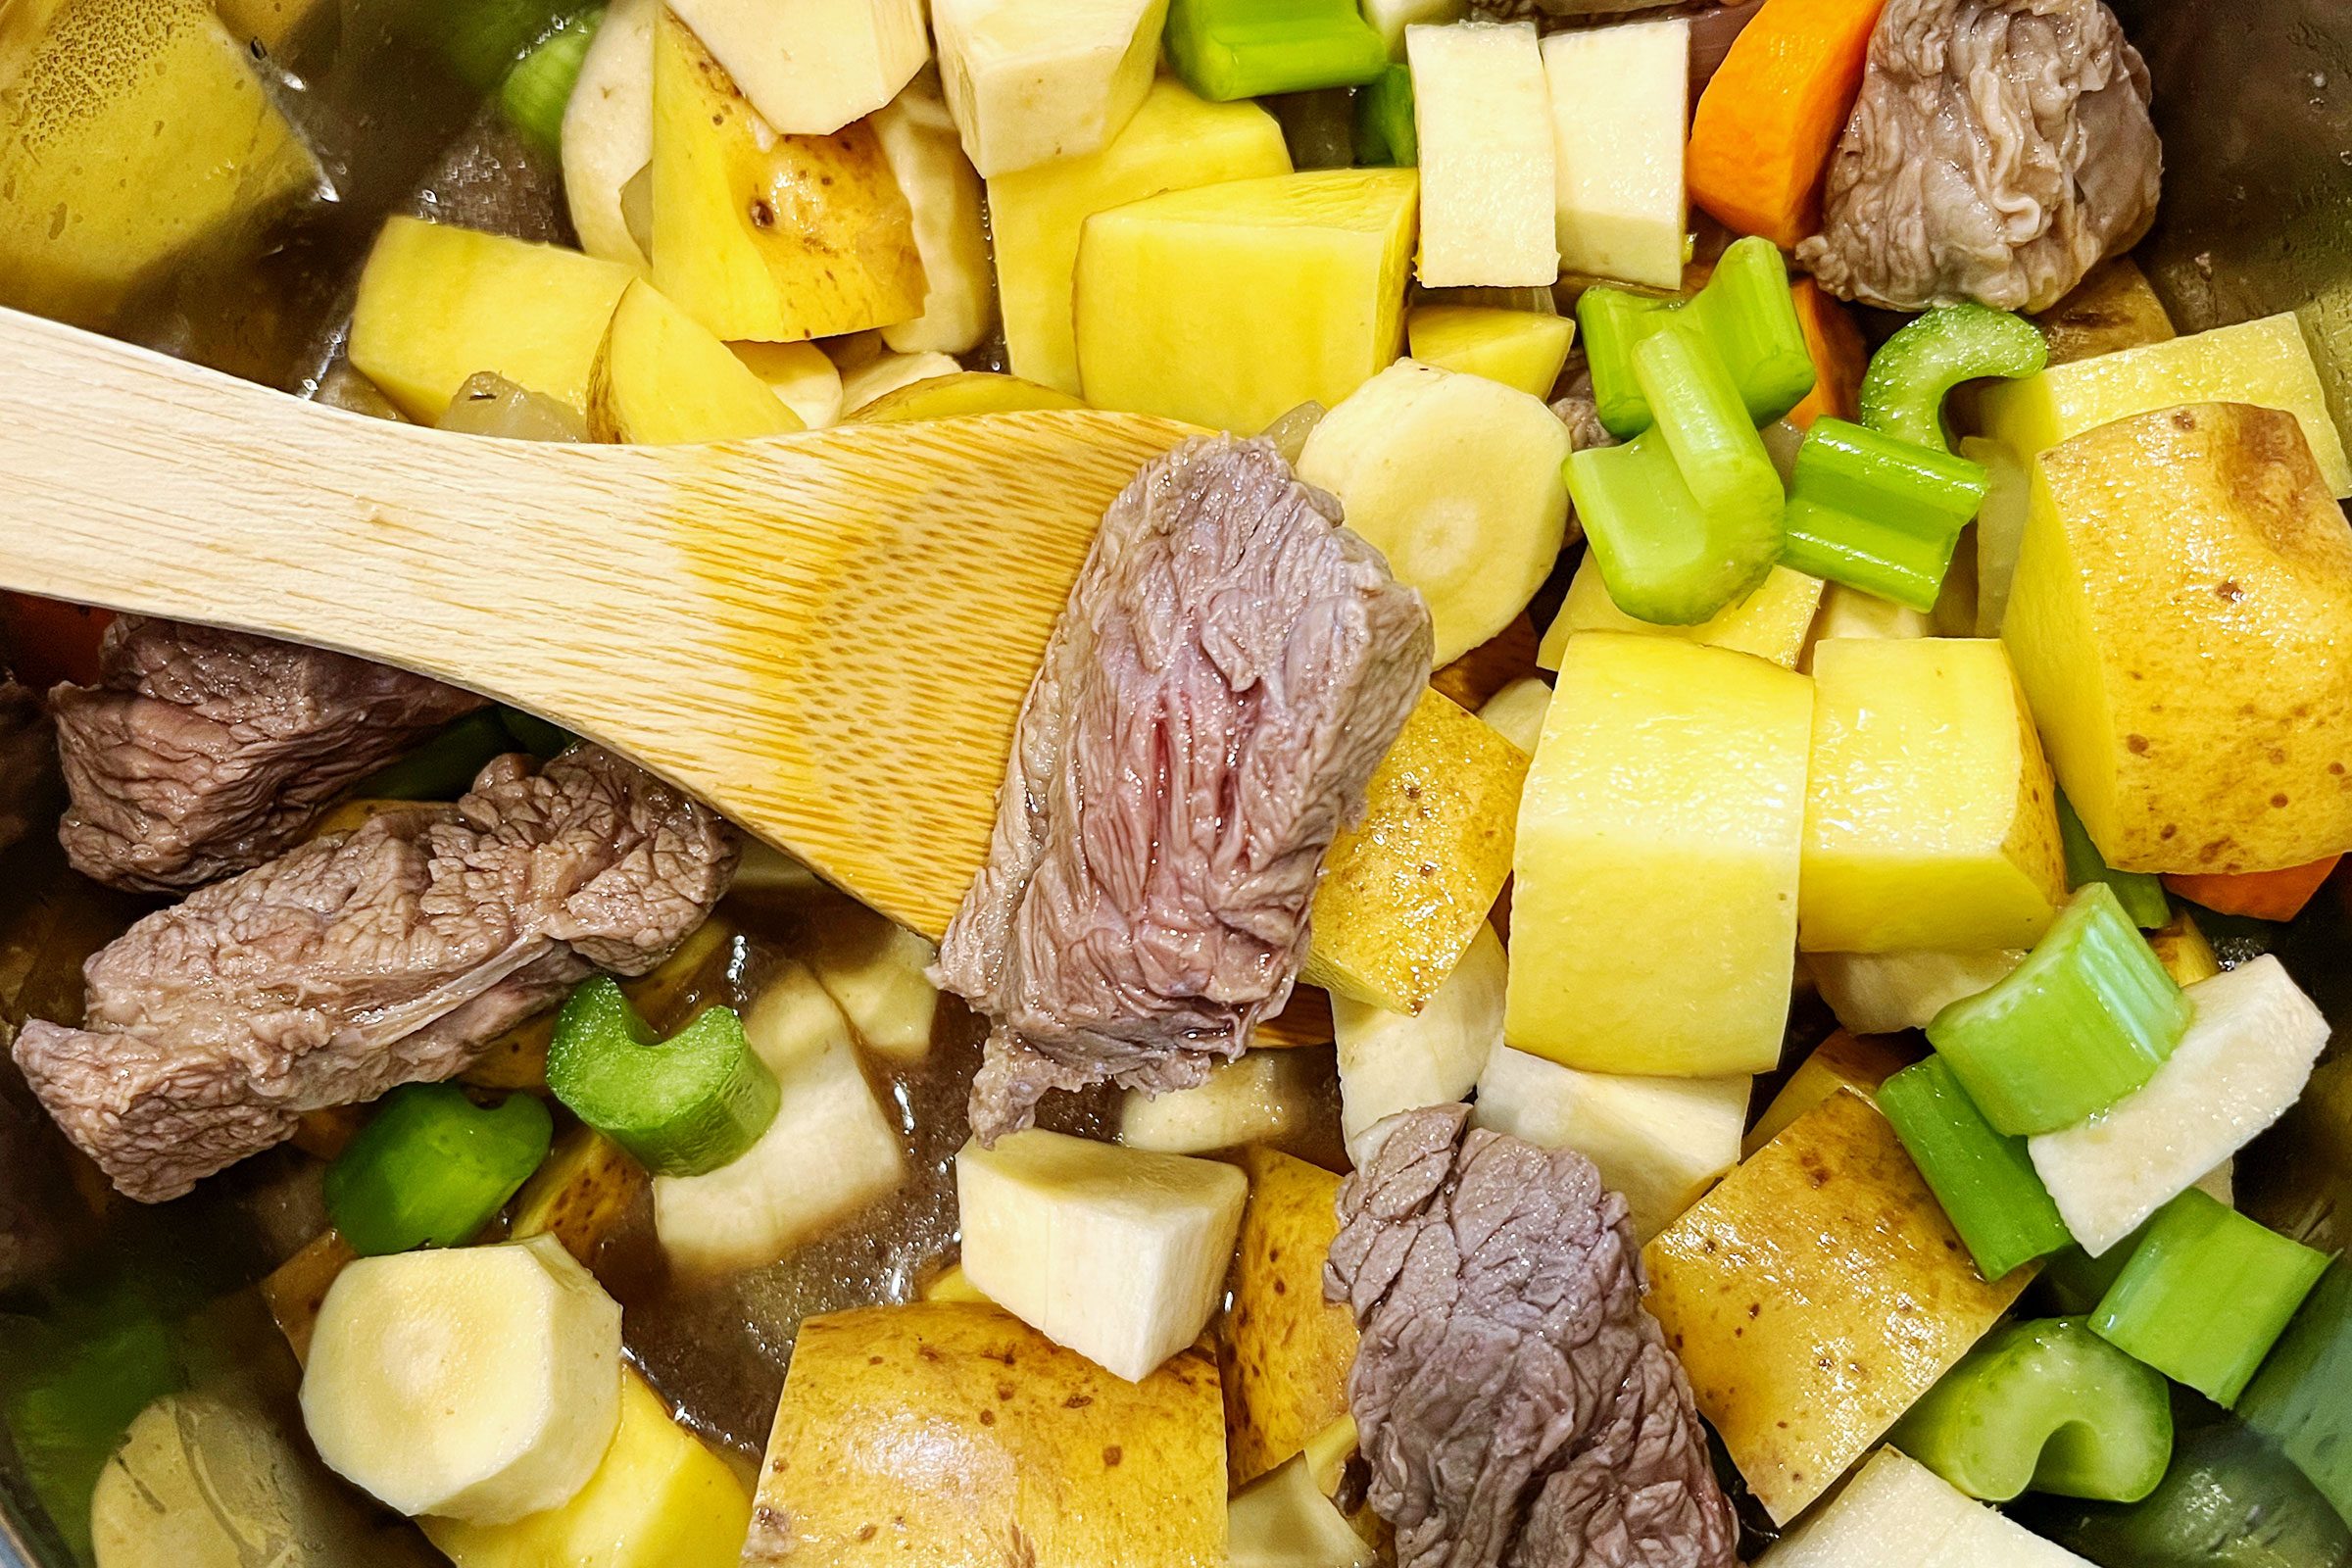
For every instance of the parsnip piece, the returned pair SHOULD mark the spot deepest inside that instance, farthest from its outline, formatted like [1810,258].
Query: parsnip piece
[1620,114]
[1030,80]
[608,130]
[1395,1061]
[876,973]
[810,66]
[1851,612]
[1483,116]
[944,194]
[1118,1253]
[662,378]
[1255,1098]
[1457,480]
[481,1383]
[1517,711]
[1283,1520]
[1882,993]
[800,374]
[1896,1510]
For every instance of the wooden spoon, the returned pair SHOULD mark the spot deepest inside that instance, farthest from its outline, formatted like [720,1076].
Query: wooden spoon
[825,636]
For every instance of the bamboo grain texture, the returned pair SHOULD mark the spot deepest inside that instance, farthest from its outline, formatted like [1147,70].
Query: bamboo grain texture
[827,636]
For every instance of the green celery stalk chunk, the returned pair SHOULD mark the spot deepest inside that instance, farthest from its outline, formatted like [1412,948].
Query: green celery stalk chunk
[431,1168]
[1984,1180]
[536,90]
[2044,1406]
[1610,323]
[1903,390]
[2087,1019]
[682,1106]
[1385,138]
[443,767]
[2140,894]
[2302,1398]
[1230,49]
[2206,1295]
[1879,514]
[1745,312]
[1706,426]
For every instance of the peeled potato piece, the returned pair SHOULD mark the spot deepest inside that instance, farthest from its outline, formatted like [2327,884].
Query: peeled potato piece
[608,130]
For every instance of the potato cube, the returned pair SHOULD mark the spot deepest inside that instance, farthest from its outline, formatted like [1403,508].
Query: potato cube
[2113,308]
[1930,820]
[801,375]
[1118,1253]
[438,304]
[1620,112]
[2179,615]
[1227,305]
[1770,622]
[1851,612]
[966,392]
[1521,349]
[810,66]
[1174,141]
[662,378]
[1813,1296]
[1284,1349]
[1845,1060]
[1254,1099]
[1653,919]
[879,975]
[2265,362]
[1483,118]
[1030,80]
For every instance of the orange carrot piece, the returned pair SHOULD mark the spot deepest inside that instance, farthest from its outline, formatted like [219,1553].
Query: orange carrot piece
[1761,138]
[2262,895]
[52,640]
[1840,356]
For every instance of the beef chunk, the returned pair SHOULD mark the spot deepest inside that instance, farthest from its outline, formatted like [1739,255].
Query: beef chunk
[1517,1403]
[25,759]
[367,960]
[2001,148]
[204,753]
[1231,665]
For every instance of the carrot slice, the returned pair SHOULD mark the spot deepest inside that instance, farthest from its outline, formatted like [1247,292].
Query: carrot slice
[52,640]
[1761,138]
[2262,895]
[1840,356]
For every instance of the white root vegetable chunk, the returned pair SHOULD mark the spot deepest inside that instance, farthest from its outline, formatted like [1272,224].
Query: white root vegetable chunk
[1260,1095]
[1483,116]
[1032,80]
[829,1153]
[1661,1141]
[1517,711]
[879,975]
[478,1383]
[1457,480]
[1390,17]
[2253,1037]
[608,130]
[1887,993]
[810,66]
[1620,115]
[960,296]
[1395,1061]
[1118,1253]
[1897,1511]
[1283,1520]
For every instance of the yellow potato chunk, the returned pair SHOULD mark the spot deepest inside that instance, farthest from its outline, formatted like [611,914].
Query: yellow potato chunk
[1653,918]
[1813,1296]
[1770,622]
[1284,1350]
[2265,362]
[1227,305]
[662,378]
[767,237]
[1930,820]
[2179,620]
[1522,348]
[438,304]
[2113,308]
[1173,142]
[966,392]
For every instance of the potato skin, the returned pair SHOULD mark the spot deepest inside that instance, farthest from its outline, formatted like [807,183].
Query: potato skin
[1284,1352]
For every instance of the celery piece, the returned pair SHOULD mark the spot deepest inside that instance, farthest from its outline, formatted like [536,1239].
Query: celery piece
[1983,1179]
[2140,894]
[443,767]
[1231,49]
[2302,1398]
[481,39]
[682,1106]
[534,734]
[1706,426]
[536,90]
[1747,312]
[1610,323]
[2087,1018]
[2044,1406]
[1383,121]
[1903,390]
[2072,1281]
[432,1167]
[2206,1295]
[1879,514]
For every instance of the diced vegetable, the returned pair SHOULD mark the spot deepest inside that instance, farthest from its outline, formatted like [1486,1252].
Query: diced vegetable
[1813,1296]
[1620,106]
[1516,712]
[1770,622]
[1318,126]
[1984,1178]
[443,767]
[1760,138]
[2252,1039]
[2206,1295]
[2140,895]
[1255,1098]
[607,130]
[1661,1141]
[829,1151]
[1882,993]
[581,1194]
[1506,657]
[1227,305]
[1229,49]
[1456,480]
[2185,584]
[1878,513]
[800,374]
[1118,1253]
[2113,308]
[1396,1061]
[2257,894]
[1839,359]
[432,1167]
[1283,1520]
[1387,927]
[768,237]
[1851,612]
[1284,1349]
[810,66]
[2087,1019]
[1748,312]
[879,975]
[1903,393]
[1390,17]
[1607,974]
[535,92]
[489,404]
[1845,1060]
[885,373]
[1383,121]
[1897,1510]
[437,304]
[662,378]
[1173,142]
[965,392]
[481,1383]
[1521,349]
[1017,1439]
[951,234]
[2266,363]
[680,1107]
[1032,80]
[2184,951]
[1928,815]
[1482,127]
[2297,1400]
[2000,527]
